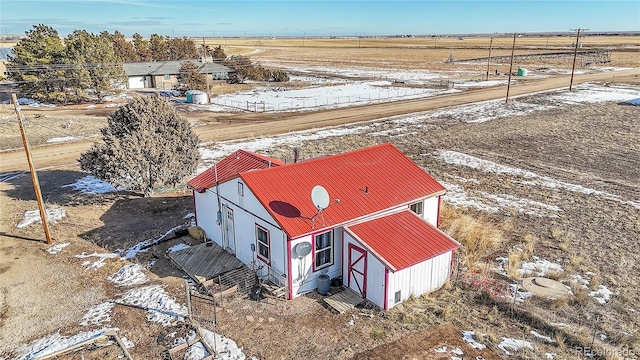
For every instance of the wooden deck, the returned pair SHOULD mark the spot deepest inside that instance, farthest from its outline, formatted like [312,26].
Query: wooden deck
[202,262]
[345,300]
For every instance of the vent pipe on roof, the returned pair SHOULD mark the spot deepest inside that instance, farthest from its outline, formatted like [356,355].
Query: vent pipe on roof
[295,154]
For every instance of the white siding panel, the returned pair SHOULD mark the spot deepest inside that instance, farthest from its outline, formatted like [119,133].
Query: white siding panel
[136,82]
[303,277]
[245,220]
[419,279]
[430,212]
[206,215]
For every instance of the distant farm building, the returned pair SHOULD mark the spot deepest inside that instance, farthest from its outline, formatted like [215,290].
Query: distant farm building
[368,217]
[163,74]
[4,57]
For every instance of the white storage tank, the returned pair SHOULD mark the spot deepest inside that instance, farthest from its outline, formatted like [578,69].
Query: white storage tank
[200,97]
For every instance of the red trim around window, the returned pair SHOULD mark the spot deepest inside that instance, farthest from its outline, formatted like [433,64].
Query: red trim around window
[313,252]
[268,260]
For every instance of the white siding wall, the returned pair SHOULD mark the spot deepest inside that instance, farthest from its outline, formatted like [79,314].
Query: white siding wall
[375,271]
[431,210]
[136,82]
[419,279]
[247,212]
[304,279]
[206,214]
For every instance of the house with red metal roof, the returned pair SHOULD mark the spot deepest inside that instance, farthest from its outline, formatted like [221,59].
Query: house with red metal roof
[377,229]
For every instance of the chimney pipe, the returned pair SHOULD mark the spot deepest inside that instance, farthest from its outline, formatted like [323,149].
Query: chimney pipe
[295,154]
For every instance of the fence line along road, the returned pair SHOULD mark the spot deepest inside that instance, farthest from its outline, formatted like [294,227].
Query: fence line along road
[261,124]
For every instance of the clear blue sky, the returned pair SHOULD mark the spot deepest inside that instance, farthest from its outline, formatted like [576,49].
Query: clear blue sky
[317,18]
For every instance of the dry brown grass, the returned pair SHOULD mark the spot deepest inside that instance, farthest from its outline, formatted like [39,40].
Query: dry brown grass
[477,236]
[530,242]
[513,264]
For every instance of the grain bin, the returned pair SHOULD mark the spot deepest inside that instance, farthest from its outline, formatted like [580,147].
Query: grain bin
[522,72]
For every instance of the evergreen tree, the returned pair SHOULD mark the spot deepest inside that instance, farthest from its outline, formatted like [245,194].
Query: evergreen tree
[96,67]
[146,144]
[182,49]
[190,78]
[124,49]
[218,53]
[142,47]
[159,48]
[36,64]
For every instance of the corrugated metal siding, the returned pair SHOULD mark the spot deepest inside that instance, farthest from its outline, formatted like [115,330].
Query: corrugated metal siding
[419,279]
[230,167]
[365,181]
[403,239]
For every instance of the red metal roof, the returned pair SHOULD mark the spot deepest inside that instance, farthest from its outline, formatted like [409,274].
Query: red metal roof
[402,239]
[360,183]
[230,167]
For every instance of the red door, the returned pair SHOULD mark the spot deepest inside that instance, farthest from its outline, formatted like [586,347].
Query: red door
[357,270]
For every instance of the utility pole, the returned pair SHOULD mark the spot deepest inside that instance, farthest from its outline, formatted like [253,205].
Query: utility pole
[513,47]
[575,53]
[489,60]
[204,62]
[34,175]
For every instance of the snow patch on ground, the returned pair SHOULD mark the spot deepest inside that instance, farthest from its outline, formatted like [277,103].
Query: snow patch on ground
[533,179]
[227,349]
[97,314]
[468,337]
[92,185]
[513,345]
[161,306]
[590,93]
[31,216]
[484,201]
[57,248]
[539,267]
[488,110]
[95,265]
[602,295]
[10,175]
[143,246]
[520,294]
[178,247]
[542,337]
[128,275]
[64,139]
[56,342]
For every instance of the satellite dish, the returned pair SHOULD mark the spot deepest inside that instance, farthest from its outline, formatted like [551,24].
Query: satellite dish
[320,197]
[302,249]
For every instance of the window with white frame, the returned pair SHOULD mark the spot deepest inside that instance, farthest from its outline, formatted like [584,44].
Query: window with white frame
[262,242]
[240,188]
[323,247]
[167,76]
[417,208]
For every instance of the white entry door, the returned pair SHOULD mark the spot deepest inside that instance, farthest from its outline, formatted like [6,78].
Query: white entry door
[229,231]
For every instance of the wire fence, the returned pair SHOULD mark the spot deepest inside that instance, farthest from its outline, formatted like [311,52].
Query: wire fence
[319,103]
